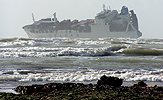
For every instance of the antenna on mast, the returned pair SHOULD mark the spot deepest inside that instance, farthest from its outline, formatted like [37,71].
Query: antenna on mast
[55,18]
[33,17]
[103,7]
[109,8]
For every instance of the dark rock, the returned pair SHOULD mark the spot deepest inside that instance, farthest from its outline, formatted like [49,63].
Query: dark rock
[159,88]
[80,85]
[37,88]
[141,83]
[90,85]
[68,85]
[28,90]
[53,86]
[111,81]
[19,88]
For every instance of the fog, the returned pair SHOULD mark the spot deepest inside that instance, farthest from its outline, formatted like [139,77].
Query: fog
[14,14]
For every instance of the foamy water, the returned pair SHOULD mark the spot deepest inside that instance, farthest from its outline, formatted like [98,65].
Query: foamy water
[30,61]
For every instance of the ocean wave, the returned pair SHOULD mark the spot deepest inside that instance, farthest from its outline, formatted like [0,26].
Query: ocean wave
[84,75]
[52,47]
[88,40]
[76,51]
[17,42]
[143,52]
[8,39]
[61,51]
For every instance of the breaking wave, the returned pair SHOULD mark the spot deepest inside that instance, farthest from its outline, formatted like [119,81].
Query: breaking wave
[73,51]
[84,75]
[142,52]
[24,47]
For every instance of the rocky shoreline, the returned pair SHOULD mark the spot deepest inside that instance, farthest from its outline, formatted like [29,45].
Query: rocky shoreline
[107,88]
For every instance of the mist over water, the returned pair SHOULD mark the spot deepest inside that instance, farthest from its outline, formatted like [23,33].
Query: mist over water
[25,61]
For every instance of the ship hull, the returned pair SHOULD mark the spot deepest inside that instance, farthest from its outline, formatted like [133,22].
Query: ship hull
[73,34]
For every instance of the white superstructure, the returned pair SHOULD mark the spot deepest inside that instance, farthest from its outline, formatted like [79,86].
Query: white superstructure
[106,24]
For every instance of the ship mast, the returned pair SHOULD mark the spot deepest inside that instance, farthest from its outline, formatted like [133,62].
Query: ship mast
[104,7]
[55,18]
[33,18]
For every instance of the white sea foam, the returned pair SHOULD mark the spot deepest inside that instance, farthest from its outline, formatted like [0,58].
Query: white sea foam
[87,75]
[61,51]
[18,43]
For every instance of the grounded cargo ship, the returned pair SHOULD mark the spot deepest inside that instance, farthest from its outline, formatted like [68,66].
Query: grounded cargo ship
[107,23]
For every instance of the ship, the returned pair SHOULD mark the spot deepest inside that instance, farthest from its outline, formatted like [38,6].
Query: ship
[107,23]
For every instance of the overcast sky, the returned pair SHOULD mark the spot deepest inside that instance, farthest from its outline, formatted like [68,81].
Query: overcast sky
[14,14]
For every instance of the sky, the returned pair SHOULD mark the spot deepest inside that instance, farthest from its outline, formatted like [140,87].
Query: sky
[14,14]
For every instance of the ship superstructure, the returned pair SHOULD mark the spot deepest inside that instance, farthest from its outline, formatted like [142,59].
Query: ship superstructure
[107,23]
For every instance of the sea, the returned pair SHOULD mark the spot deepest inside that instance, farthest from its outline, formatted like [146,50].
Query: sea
[25,61]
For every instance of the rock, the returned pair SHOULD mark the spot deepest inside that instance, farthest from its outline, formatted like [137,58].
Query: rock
[141,84]
[49,87]
[66,86]
[159,88]
[53,86]
[111,81]
[28,90]
[37,88]
[80,85]
[90,85]
[19,88]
